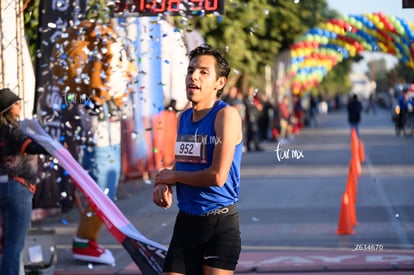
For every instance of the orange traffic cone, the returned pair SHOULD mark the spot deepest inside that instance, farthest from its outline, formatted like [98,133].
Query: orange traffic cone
[345,223]
[354,140]
[355,152]
[351,184]
[361,151]
[352,210]
[352,180]
[351,190]
[355,163]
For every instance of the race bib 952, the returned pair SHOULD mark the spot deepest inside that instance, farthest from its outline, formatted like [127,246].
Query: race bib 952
[191,148]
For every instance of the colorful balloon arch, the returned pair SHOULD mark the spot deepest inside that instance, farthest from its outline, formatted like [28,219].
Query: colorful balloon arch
[317,51]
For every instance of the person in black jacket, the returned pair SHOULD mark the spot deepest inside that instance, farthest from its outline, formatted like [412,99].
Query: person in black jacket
[354,108]
[18,175]
[252,111]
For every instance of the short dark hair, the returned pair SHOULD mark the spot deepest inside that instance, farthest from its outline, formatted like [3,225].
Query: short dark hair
[222,66]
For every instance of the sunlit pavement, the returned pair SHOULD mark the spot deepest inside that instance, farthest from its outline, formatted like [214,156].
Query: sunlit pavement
[289,208]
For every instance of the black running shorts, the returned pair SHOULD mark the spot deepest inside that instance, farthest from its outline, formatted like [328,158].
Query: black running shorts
[212,240]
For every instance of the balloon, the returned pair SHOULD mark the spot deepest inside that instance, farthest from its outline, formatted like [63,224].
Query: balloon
[316,52]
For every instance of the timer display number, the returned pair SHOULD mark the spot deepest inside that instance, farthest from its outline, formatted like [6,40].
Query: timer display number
[173,7]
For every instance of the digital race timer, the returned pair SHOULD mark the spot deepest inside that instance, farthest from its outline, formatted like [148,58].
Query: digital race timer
[173,7]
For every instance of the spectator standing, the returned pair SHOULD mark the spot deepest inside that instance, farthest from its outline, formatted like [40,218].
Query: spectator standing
[322,105]
[275,122]
[403,105]
[253,108]
[298,112]
[18,175]
[313,112]
[233,99]
[286,120]
[264,117]
[371,104]
[354,109]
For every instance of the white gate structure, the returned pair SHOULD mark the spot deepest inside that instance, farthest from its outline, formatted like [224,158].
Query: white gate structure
[16,67]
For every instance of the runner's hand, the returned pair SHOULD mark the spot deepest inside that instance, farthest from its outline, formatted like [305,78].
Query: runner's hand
[162,195]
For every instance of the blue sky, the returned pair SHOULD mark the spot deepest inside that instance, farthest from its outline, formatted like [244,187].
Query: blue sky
[389,7]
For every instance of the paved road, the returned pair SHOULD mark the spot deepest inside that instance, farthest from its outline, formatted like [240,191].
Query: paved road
[289,207]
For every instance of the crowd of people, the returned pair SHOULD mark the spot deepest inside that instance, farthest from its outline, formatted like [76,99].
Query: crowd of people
[272,119]
[266,120]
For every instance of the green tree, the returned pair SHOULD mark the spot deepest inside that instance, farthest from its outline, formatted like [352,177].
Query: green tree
[31,24]
[400,74]
[253,33]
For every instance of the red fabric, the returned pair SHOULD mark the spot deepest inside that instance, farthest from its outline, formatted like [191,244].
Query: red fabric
[284,111]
